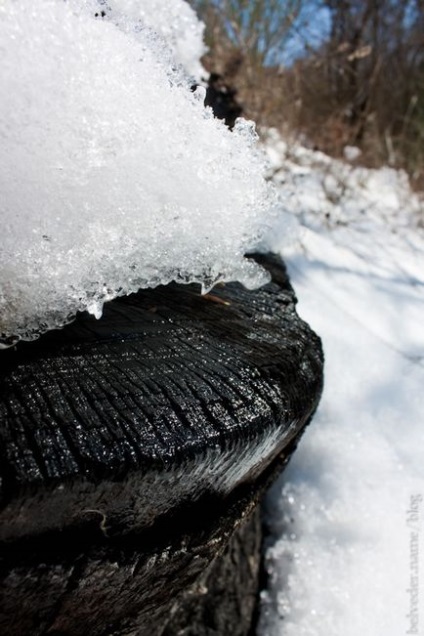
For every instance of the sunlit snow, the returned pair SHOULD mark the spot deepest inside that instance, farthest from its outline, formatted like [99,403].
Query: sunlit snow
[113,174]
[346,552]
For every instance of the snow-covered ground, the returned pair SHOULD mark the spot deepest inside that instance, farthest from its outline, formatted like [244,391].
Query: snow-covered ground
[346,551]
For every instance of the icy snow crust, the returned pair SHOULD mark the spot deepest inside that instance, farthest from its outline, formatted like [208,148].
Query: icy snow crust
[113,175]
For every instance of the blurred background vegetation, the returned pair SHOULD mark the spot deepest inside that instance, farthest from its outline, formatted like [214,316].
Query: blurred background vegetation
[335,72]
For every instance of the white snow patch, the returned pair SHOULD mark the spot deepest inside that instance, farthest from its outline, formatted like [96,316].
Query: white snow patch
[351,153]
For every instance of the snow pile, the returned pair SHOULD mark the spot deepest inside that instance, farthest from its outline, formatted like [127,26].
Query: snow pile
[324,191]
[113,175]
[346,553]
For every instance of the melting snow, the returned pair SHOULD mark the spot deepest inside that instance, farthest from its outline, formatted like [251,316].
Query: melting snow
[113,174]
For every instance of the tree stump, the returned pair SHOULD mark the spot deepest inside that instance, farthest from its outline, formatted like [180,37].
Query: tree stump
[134,449]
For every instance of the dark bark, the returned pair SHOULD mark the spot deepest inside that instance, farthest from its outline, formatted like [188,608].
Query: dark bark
[224,597]
[134,446]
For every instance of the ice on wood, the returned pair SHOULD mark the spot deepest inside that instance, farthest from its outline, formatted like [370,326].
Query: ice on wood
[113,175]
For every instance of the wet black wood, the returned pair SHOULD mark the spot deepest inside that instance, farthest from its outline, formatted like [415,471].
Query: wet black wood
[224,597]
[132,447]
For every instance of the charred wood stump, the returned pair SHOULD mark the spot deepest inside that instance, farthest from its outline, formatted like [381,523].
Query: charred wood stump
[133,452]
